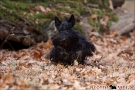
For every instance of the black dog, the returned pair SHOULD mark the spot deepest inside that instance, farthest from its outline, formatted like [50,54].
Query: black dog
[69,45]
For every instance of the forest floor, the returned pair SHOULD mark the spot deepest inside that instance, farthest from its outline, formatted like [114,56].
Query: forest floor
[112,64]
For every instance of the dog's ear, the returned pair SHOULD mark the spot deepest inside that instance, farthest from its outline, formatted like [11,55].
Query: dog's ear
[57,21]
[72,20]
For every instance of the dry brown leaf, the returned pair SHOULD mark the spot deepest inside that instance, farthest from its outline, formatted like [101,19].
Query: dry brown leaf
[9,79]
[18,68]
[123,38]
[40,8]
[48,9]
[106,18]
[48,44]
[31,10]
[21,82]
[37,8]
[72,78]
[3,86]
[76,84]
[75,63]
[109,80]
[2,59]
[132,34]
[114,33]
[23,64]
[94,16]
[127,51]
[104,21]
[131,77]
[37,55]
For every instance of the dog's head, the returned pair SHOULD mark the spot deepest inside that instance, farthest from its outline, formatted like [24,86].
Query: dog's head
[65,25]
[66,37]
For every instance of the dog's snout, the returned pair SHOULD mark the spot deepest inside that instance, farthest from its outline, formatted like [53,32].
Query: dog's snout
[64,40]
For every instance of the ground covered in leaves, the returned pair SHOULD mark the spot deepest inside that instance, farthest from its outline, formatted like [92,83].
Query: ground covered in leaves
[112,64]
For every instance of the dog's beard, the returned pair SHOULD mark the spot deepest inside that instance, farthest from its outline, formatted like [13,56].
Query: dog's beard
[64,44]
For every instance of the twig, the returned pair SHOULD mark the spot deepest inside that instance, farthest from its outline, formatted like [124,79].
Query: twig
[10,45]
[93,5]
[7,37]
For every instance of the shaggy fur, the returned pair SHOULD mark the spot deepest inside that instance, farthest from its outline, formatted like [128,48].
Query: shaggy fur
[69,45]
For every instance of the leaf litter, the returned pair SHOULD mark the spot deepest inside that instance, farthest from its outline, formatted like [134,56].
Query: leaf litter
[112,64]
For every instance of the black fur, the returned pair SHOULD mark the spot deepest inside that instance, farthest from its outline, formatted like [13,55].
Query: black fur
[69,45]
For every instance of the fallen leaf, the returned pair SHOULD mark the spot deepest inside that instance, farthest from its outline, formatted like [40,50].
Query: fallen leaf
[3,86]
[123,38]
[94,16]
[23,64]
[37,55]
[9,79]
[48,44]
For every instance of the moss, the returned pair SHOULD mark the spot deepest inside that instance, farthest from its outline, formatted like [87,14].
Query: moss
[17,8]
[114,18]
[8,14]
[91,21]
[78,28]
[101,13]
[98,12]
[96,21]
[93,1]
[105,4]
[109,24]
[21,6]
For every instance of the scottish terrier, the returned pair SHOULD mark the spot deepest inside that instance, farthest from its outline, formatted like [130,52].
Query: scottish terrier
[69,45]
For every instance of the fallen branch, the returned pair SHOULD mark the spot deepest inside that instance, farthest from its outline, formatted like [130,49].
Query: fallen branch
[7,37]
[24,32]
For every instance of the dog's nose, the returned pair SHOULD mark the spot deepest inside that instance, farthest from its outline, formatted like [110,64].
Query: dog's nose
[64,40]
